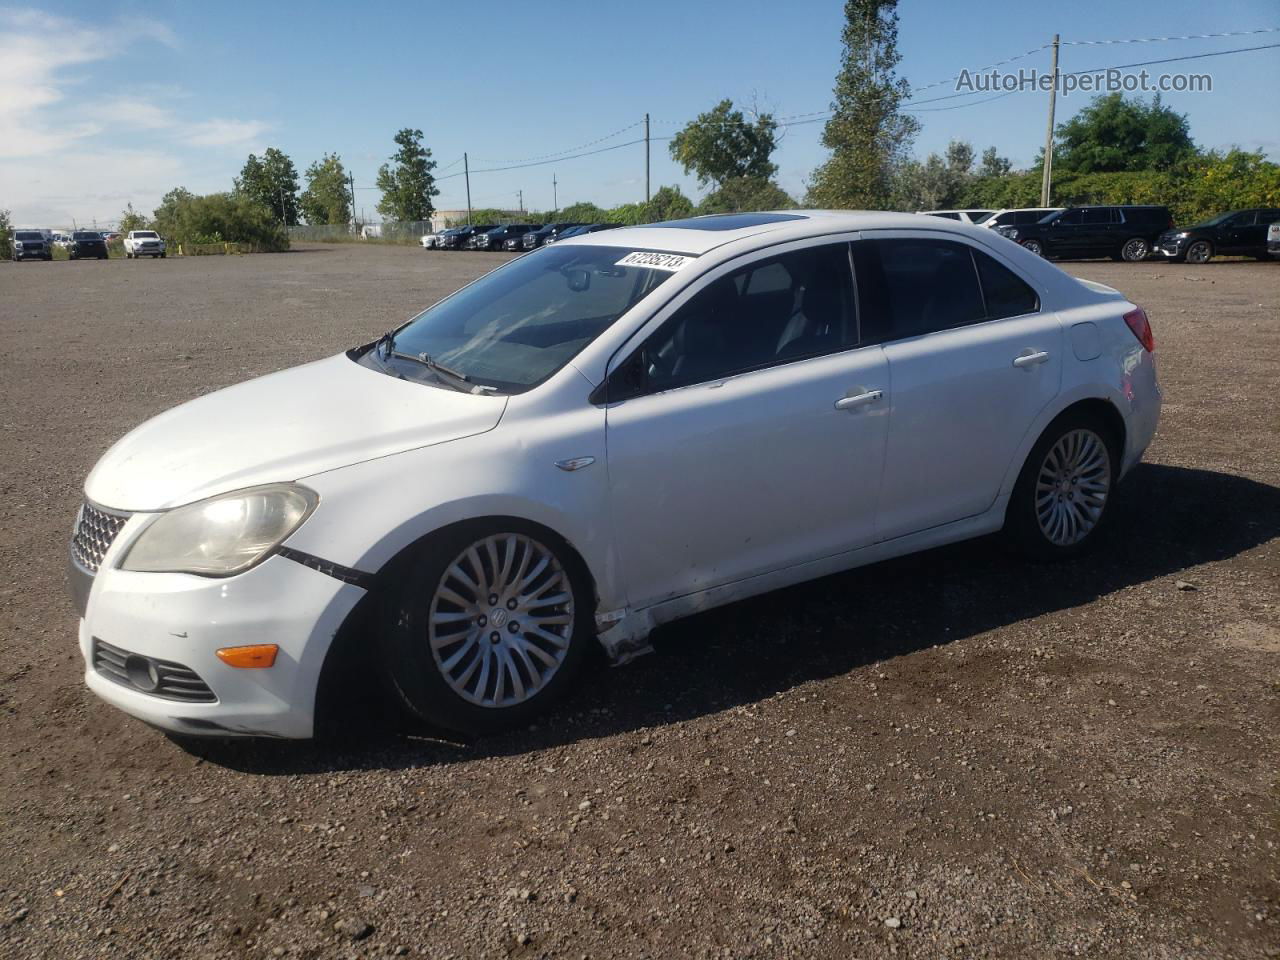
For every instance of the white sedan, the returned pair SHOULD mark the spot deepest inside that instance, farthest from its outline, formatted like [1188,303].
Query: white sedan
[593,439]
[429,241]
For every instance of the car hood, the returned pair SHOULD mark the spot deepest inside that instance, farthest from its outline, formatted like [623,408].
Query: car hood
[281,427]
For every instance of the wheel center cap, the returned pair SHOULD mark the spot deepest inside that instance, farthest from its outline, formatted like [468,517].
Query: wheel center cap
[497,616]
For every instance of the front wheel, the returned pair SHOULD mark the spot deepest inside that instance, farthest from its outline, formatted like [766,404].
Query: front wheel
[1063,494]
[1033,246]
[1135,250]
[1200,252]
[488,626]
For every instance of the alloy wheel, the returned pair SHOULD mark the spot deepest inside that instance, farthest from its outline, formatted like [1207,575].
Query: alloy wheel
[501,620]
[1199,252]
[1135,250]
[1033,246]
[1072,487]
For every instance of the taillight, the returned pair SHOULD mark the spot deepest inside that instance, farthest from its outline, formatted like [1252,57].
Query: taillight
[1141,327]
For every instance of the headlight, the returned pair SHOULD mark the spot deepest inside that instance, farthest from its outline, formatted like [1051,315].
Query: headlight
[1010,232]
[223,535]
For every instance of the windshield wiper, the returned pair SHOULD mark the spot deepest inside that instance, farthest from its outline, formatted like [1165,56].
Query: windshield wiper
[388,344]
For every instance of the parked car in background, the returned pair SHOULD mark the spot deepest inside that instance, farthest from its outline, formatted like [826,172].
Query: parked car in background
[1019,216]
[459,238]
[964,216]
[1235,233]
[1273,239]
[143,243]
[429,240]
[109,235]
[590,441]
[584,229]
[88,245]
[30,245]
[495,238]
[546,234]
[1122,232]
[60,239]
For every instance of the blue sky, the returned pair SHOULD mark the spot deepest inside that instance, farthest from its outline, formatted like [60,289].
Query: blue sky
[107,103]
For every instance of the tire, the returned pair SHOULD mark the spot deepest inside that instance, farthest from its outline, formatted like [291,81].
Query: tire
[1135,250]
[460,660]
[1033,246]
[162,256]
[1199,251]
[1050,517]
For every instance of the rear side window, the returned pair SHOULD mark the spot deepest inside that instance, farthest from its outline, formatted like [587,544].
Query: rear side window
[1098,215]
[1003,291]
[910,287]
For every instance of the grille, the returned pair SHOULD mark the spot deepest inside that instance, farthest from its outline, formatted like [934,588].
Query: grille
[159,678]
[95,532]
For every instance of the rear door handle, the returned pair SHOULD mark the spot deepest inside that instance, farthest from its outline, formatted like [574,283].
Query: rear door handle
[1030,359]
[859,400]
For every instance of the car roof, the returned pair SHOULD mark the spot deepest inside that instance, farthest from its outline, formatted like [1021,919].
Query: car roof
[697,235]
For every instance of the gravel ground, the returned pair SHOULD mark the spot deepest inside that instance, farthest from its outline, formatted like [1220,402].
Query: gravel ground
[950,755]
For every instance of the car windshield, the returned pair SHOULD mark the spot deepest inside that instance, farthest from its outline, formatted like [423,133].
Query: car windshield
[28,235]
[516,326]
[1219,219]
[82,235]
[144,234]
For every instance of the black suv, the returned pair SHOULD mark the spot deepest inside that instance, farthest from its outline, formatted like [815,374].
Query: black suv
[459,238]
[1238,232]
[493,239]
[1120,232]
[86,244]
[31,245]
[546,234]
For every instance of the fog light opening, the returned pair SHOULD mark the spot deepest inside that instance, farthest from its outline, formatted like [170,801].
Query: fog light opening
[142,673]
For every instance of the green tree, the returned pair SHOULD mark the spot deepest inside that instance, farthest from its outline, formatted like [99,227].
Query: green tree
[326,199]
[744,194]
[936,184]
[406,182]
[131,219]
[1114,133]
[668,203]
[6,231]
[994,165]
[231,217]
[583,213]
[272,182]
[722,144]
[868,135]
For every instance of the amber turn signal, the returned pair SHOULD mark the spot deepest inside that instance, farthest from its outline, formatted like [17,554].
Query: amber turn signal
[257,655]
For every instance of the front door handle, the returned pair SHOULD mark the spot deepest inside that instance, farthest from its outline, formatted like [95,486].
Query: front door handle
[1031,359]
[859,400]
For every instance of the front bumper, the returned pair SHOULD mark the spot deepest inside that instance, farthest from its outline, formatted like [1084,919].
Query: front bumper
[1171,247]
[185,619]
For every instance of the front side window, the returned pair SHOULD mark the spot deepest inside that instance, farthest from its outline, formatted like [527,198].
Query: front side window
[908,287]
[518,325]
[1071,217]
[772,311]
[1097,215]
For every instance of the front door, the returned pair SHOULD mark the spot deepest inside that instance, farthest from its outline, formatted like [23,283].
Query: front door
[752,431]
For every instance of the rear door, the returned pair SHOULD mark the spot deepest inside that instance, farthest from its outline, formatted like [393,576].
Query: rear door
[972,362]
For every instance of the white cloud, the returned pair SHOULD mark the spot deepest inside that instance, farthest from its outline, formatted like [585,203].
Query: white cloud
[67,152]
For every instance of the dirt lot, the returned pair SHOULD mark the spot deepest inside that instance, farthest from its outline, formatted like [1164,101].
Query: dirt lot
[955,754]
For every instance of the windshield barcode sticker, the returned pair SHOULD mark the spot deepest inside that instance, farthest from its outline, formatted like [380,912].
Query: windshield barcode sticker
[655,261]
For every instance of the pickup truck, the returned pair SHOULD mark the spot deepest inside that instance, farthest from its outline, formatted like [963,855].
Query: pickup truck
[143,243]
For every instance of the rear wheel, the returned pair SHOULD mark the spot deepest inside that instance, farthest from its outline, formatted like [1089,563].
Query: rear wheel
[1135,250]
[488,627]
[1063,494]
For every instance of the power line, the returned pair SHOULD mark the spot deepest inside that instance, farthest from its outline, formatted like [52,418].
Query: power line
[558,153]
[1190,56]
[1186,36]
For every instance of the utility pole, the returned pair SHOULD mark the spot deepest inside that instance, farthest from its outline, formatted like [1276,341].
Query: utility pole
[466,172]
[351,180]
[646,158]
[1046,181]
[520,194]
[555,201]
[284,213]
